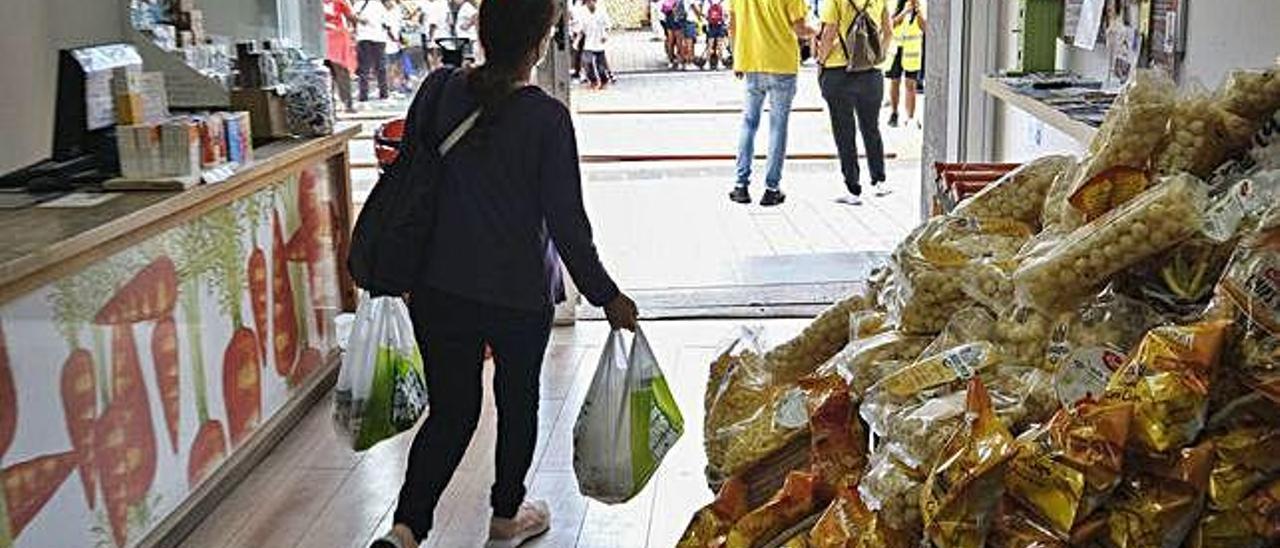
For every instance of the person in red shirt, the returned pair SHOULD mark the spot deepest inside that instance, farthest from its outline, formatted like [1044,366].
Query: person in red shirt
[340,53]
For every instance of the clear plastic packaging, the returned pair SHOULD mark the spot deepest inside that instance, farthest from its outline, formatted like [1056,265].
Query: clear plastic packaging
[1132,130]
[863,362]
[1168,213]
[892,490]
[1019,194]
[926,287]
[1251,284]
[1195,142]
[1252,94]
[820,340]
[1089,344]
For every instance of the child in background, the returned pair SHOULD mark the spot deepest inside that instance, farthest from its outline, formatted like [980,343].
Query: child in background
[595,32]
[717,33]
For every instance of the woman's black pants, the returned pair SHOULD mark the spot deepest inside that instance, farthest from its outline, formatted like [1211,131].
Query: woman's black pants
[452,333]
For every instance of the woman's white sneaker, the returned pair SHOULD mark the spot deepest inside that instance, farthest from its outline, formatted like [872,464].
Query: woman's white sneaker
[532,519]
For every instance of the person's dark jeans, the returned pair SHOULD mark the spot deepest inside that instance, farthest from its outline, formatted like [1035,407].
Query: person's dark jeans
[453,331]
[594,65]
[853,101]
[371,59]
[342,81]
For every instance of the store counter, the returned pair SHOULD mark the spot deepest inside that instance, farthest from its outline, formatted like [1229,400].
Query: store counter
[155,345]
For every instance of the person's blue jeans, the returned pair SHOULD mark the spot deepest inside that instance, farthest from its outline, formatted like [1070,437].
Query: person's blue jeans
[780,89]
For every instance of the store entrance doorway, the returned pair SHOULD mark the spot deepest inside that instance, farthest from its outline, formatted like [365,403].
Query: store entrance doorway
[658,149]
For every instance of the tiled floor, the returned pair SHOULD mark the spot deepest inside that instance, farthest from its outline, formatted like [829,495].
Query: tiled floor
[312,492]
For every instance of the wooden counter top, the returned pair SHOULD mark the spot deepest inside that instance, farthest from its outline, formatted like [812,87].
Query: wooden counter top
[38,244]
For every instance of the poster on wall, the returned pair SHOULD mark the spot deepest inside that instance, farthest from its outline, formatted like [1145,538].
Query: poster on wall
[1089,23]
[125,385]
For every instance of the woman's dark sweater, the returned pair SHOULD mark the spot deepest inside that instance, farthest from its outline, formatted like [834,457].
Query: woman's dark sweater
[510,204]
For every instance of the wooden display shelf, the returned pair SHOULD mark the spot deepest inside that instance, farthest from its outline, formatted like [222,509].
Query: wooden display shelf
[1056,118]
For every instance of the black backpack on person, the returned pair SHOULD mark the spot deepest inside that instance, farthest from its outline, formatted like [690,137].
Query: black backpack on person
[863,49]
[393,232]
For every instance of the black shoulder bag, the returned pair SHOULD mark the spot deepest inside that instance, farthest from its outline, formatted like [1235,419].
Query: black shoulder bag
[393,233]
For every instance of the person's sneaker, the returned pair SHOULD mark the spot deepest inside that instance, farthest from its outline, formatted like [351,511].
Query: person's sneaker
[893,120]
[772,198]
[532,519]
[881,189]
[740,195]
[850,199]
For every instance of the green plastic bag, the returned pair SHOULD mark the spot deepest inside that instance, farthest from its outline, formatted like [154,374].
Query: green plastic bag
[627,424]
[381,389]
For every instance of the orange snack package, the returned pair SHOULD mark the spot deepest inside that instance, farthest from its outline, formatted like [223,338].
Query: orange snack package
[847,523]
[1262,509]
[966,482]
[711,524]
[838,450]
[791,505]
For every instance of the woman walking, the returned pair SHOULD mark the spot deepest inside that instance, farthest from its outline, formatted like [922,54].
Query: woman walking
[853,97]
[908,58]
[510,207]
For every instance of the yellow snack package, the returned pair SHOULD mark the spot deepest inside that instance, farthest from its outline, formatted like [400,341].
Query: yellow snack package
[1158,503]
[847,523]
[961,495]
[794,502]
[959,363]
[1262,510]
[1167,380]
[1064,469]
[1018,527]
[1223,530]
[864,361]
[1252,283]
[1246,458]
[711,524]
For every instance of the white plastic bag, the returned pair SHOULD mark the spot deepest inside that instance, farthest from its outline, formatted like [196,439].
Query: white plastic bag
[627,423]
[381,389]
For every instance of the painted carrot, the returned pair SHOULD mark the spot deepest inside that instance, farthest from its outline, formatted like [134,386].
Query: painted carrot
[207,451]
[241,384]
[284,338]
[132,420]
[80,410]
[257,269]
[111,455]
[8,399]
[308,362]
[29,485]
[150,295]
[164,355]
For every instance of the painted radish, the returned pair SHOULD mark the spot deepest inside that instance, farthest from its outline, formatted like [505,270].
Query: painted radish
[207,451]
[150,295]
[164,355]
[257,269]
[8,399]
[80,410]
[284,339]
[29,485]
[241,384]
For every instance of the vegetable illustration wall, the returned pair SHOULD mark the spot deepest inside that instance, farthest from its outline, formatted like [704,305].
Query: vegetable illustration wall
[125,385]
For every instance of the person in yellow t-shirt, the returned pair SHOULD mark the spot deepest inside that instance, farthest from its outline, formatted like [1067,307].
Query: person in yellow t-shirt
[853,98]
[766,56]
[908,57]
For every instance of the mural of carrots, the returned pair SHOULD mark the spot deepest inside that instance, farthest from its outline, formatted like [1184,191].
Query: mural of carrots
[164,355]
[308,362]
[29,485]
[149,296]
[111,455]
[241,384]
[8,399]
[80,411]
[209,447]
[131,421]
[284,338]
[257,269]
[207,452]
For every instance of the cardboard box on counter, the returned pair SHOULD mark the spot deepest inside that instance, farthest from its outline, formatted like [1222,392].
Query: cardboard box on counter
[164,155]
[266,112]
[213,140]
[140,97]
[140,151]
[181,141]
